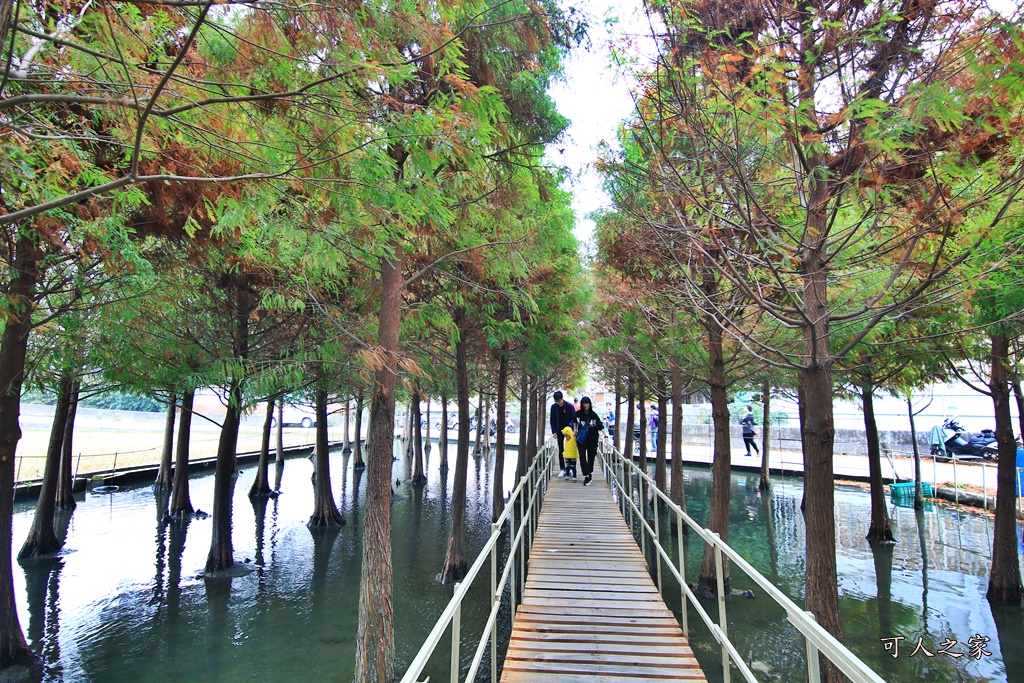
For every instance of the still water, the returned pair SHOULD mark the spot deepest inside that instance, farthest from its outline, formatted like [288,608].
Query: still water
[126,600]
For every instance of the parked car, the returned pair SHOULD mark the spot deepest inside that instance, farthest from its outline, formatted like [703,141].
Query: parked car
[296,416]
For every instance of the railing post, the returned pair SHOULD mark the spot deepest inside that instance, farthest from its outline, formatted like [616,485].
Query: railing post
[813,666]
[657,543]
[956,490]
[522,539]
[722,623]
[114,468]
[494,598]
[17,475]
[682,571]
[77,463]
[456,637]
[984,487]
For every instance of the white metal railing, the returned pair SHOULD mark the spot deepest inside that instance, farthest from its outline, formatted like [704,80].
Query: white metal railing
[522,528]
[627,477]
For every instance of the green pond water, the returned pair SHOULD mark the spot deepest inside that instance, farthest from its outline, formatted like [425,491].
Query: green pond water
[126,599]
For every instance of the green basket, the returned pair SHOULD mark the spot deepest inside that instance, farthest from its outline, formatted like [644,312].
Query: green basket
[905,489]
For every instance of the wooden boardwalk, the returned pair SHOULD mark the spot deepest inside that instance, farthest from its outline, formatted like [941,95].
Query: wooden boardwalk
[590,611]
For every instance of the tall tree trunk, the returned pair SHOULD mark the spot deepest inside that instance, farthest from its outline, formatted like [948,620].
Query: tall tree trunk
[419,478]
[819,437]
[498,479]
[221,556]
[261,484]
[42,538]
[357,438]
[66,480]
[280,433]
[487,424]
[442,438]
[14,651]
[660,469]
[479,422]
[426,437]
[766,432]
[535,419]
[1004,582]
[617,442]
[678,493]
[163,474]
[918,495]
[181,504]
[524,422]
[879,528]
[375,636]
[455,563]
[629,448]
[721,469]
[346,441]
[325,512]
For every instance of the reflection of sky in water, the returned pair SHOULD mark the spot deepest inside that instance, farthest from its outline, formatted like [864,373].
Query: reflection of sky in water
[123,604]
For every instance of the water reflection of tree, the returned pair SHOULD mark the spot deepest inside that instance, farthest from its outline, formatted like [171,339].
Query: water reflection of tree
[1007,619]
[42,593]
[162,496]
[177,531]
[259,510]
[218,626]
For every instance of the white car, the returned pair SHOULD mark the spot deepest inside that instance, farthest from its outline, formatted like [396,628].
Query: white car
[296,416]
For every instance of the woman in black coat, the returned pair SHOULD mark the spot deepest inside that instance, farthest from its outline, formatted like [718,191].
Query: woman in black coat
[587,420]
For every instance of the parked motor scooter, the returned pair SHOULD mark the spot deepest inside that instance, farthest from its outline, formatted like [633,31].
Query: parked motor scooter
[952,440]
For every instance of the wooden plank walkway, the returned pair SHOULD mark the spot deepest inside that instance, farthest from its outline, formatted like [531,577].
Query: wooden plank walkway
[590,611]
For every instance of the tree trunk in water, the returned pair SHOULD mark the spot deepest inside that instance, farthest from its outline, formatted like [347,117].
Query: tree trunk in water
[346,443]
[879,529]
[498,483]
[426,436]
[766,431]
[325,512]
[375,635]
[1004,582]
[42,538]
[531,436]
[479,423]
[660,468]
[221,555]
[918,495]
[455,564]
[617,442]
[280,433]
[819,494]
[721,468]
[181,504]
[66,480]
[14,651]
[357,438]
[261,484]
[442,438]
[418,476]
[407,431]
[629,449]
[678,493]
[642,462]
[163,475]
[524,422]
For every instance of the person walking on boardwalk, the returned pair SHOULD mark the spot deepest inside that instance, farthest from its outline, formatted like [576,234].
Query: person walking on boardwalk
[747,422]
[562,415]
[588,428]
[571,452]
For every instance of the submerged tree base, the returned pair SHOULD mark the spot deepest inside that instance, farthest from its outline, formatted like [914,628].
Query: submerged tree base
[452,573]
[709,590]
[880,534]
[326,520]
[40,545]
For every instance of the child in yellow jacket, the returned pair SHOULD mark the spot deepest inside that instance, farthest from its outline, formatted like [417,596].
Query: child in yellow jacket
[571,452]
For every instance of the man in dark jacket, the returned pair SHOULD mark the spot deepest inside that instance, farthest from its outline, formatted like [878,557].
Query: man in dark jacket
[562,415]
